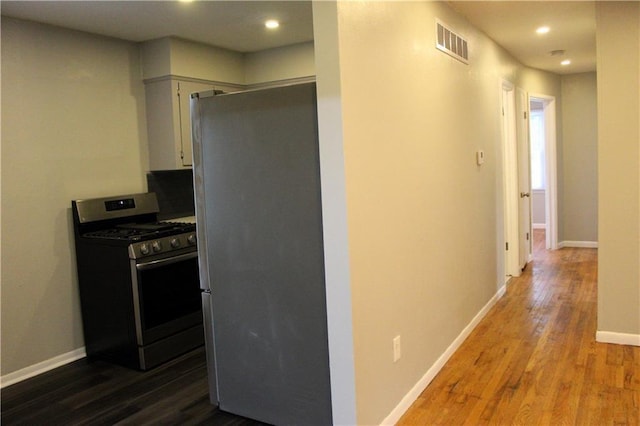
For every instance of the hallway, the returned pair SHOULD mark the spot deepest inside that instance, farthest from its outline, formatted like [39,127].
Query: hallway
[534,360]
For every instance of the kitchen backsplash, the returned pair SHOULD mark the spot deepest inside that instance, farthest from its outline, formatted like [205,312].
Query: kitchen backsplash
[174,189]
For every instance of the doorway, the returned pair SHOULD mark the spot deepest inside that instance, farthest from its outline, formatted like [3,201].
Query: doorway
[538,163]
[542,132]
[525,167]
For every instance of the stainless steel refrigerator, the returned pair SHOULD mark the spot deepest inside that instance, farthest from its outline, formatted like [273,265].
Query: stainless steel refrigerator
[259,227]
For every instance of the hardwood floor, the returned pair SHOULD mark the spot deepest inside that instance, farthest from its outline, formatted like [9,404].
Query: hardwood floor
[534,361]
[98,393]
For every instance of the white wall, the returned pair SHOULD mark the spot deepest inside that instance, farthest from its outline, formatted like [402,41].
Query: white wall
[538,213]
[334,214]
[72,127]
[618,41]
[423,219]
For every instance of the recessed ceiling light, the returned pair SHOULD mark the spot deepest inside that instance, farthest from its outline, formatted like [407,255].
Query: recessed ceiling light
[271,24]
[543,30]
[565,62]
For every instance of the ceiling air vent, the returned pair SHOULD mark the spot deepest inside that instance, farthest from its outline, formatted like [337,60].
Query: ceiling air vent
[451,43]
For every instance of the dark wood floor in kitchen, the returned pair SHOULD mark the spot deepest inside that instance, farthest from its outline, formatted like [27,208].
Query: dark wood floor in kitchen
[99,393]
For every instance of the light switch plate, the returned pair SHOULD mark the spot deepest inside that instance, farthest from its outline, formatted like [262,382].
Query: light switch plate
[397,353]
[480,157]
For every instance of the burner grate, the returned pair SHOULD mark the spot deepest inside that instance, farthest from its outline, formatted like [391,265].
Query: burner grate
[141,231]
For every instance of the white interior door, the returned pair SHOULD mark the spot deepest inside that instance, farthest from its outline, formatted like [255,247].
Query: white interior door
[185,89]
[524,178]
[510,180]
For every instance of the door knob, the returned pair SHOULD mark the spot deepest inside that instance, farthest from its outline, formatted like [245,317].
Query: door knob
[524,194]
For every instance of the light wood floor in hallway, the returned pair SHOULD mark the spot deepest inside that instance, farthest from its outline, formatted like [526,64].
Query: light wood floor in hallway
[533,360]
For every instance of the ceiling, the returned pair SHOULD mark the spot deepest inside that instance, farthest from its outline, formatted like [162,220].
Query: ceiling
[239,25]
[234,25]
[512,25]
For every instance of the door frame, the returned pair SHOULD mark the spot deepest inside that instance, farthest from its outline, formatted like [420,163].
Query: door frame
[551,168]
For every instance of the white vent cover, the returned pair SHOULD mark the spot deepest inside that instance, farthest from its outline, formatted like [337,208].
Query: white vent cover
[451,43]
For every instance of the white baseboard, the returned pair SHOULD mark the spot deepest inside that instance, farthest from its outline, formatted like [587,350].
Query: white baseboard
[42,367]
[421,385]
[578,244]
[539,225]
[618,338]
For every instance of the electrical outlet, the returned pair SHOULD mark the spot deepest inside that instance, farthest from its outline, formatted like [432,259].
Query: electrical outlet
[396,349]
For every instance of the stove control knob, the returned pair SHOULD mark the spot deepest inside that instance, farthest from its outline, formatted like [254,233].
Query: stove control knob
[156,246]
[191,239]
[175,243]
[144,249]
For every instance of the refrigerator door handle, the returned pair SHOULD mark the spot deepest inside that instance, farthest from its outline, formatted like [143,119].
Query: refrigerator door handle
[199,191]
[212,373]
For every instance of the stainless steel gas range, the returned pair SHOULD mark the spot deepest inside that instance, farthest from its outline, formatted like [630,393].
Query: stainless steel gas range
[138,277]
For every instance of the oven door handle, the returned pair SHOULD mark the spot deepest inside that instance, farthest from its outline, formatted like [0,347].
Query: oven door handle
[166,261]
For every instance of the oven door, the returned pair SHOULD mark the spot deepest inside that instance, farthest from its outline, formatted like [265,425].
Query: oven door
[166,294]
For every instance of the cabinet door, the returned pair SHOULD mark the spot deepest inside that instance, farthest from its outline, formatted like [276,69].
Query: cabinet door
[162,125]
[185,89]
[169,120]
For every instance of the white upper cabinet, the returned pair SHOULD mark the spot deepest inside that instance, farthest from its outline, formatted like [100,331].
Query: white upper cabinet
[169,121]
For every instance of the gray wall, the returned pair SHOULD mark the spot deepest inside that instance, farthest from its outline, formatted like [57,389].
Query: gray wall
[579,158]
[538,207]
[617,37]
[73,127]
